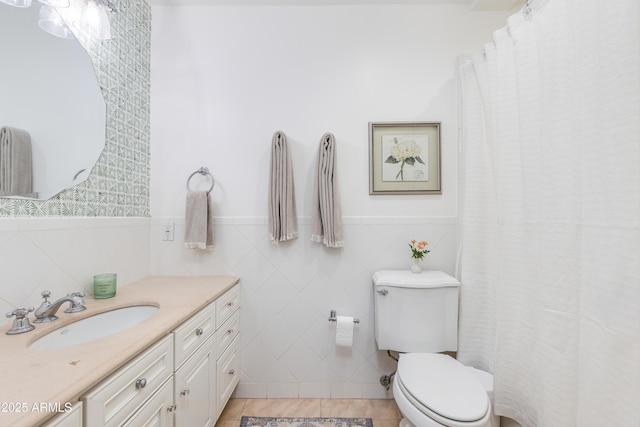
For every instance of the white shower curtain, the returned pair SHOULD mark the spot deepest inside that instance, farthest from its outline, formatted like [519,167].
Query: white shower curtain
[550,249]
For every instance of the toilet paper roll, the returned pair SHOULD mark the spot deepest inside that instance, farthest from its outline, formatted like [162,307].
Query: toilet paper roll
[344,331]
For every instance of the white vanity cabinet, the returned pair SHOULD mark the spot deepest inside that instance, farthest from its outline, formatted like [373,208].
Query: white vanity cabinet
[184,380]
[198,396]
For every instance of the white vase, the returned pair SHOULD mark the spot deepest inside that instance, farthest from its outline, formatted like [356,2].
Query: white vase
[415,265]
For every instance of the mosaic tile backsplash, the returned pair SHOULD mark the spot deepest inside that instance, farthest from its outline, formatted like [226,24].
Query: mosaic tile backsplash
[119,182]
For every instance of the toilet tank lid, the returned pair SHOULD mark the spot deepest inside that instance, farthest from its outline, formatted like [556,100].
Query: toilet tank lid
[407,279]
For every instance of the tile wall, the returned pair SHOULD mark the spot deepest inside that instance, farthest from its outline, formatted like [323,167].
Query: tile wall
[288,345]
[63,254]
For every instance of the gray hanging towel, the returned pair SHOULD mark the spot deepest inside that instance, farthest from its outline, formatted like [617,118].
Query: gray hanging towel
[326,226]
[198,221]
[283,220]
[16,175]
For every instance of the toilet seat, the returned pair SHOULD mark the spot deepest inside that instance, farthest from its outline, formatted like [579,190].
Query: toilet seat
[443,389]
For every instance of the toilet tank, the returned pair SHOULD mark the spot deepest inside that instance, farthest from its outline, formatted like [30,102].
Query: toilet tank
[416,312]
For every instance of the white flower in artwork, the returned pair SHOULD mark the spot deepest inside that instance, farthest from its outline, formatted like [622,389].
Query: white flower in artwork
[405,152]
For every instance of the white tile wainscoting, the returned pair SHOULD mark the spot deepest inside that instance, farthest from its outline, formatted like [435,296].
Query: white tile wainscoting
[288,345]
[288,290]
[63,254]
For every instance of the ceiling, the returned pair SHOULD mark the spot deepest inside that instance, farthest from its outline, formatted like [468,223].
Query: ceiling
[476,5]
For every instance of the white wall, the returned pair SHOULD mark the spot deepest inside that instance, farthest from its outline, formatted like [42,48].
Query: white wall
[224,79]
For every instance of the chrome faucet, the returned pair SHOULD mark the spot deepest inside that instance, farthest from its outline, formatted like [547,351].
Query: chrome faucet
[47,310]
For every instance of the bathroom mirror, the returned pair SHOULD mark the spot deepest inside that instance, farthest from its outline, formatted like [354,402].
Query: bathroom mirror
[49,89]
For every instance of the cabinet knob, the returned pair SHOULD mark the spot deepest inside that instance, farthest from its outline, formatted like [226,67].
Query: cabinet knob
[199,331]
[141,383]
[172,408]
[184,393]
[230,304]
[230,331]
[231,372]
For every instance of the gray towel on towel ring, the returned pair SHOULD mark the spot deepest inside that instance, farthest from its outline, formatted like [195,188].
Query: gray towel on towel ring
[283,220]
[326,222]
[198,221]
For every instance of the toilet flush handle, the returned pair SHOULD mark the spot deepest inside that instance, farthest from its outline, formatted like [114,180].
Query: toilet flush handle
[382,292]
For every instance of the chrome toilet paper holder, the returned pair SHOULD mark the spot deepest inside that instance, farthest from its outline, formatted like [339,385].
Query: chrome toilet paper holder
[334,318]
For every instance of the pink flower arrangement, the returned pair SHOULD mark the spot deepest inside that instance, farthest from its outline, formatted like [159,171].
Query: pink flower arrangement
[419,248]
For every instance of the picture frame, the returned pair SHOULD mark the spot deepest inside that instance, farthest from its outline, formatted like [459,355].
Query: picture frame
[404,158]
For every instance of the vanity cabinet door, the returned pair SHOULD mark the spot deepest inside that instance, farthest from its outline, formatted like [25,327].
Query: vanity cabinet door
[157,411]
[195,388]
[73,418]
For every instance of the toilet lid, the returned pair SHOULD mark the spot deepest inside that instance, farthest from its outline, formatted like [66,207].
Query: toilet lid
[443,386]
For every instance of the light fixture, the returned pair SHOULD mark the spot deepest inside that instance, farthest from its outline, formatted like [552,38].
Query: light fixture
[89,17]
[51,21]
[93,20]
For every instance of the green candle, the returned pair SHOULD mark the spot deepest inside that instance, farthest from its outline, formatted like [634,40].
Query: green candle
[104,285]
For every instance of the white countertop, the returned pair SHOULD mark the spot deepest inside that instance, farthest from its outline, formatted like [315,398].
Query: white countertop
[30,378]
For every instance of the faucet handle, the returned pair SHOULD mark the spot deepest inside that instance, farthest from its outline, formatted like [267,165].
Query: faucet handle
[77,303]
[21,322]
[45,295]
[20,312]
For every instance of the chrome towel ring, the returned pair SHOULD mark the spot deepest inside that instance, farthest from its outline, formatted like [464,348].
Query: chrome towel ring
[202,171]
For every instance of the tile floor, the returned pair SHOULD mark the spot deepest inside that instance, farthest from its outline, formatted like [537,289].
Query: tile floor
[383,412]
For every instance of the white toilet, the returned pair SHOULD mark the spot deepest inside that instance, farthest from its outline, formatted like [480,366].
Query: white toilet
[417,316]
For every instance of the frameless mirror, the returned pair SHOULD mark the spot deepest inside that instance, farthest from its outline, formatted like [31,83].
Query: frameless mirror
[49,89]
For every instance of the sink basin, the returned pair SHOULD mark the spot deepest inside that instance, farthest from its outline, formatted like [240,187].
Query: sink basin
[94,327]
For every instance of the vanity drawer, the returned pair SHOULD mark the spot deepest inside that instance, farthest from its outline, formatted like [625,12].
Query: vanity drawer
[228,373]
[116,398]
[195,331]
[227,304]
[227,332]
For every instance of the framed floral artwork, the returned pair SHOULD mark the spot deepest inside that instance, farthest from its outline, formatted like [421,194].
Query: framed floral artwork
[404,158]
